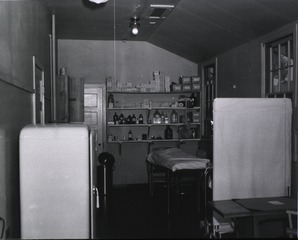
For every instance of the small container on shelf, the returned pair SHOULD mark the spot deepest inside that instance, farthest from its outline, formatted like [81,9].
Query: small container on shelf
[133,119]
[116,118]
[177,88]
[166,119]
[121,119]
[174,116]
[196,117]
[186,87]
[111,100]
[129,135]
[168,133]
[195,79]
[156,117]
[196,87]
[181,101]
[185,80]
[141,119]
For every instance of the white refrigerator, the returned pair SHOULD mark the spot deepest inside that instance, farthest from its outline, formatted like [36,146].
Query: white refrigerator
[58,194]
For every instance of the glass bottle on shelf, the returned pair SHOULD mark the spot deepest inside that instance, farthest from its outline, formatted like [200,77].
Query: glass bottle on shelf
[156,117]
[121,119]
[128,119]
[116,118]
[166,119]
[168,133]
[129,135]
[141,119]
[133,119]
[111,100]
[193,133]
[162,116]
[174,116]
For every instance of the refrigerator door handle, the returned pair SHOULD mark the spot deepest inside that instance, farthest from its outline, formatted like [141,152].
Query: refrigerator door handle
[96,193]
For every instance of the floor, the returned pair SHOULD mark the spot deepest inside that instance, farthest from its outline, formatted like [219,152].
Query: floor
[130,212]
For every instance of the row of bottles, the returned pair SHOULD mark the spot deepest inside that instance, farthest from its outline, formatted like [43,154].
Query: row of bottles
[157,118]
[168,134]
[183,101]
[130,119]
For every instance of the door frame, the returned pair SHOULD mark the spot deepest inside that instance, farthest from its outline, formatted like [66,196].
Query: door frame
[103,87]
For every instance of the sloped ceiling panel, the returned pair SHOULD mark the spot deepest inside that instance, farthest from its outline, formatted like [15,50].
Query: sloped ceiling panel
[201,29]
[195,29]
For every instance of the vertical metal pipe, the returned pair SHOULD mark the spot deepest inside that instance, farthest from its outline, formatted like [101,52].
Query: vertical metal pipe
[51,75]
[54,67]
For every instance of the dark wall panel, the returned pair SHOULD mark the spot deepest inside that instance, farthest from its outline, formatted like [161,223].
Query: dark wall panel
[25,28]
[239,72]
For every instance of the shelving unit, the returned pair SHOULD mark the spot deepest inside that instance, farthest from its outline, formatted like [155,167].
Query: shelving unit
[146,103]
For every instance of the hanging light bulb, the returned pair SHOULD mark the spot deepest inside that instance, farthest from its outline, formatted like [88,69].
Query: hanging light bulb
[135,29]
[135,26]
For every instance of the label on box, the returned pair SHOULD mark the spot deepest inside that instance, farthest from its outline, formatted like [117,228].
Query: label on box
[196,79]
[196,86]
[186,87]
[185,80]
[176,87]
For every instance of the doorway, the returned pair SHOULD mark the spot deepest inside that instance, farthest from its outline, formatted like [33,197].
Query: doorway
[94,113]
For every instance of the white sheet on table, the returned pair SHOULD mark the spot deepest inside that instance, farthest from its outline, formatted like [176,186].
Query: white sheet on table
[251,147]
[176,159]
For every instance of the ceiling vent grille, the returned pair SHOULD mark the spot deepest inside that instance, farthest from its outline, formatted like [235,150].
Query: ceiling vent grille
[158,11]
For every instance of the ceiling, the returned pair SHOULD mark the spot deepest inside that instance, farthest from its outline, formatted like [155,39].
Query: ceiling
[194,29]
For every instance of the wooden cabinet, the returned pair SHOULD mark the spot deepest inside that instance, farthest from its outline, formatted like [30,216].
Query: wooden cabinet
[76,100]
[62,108]
[69,99]
[154,108]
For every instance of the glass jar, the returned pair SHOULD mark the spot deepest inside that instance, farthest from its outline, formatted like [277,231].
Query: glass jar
[168,133]
[166,119]
[111,100]
[174,116]
[181,101]
[141,119]
[129,135]
[121,119]
[156,117]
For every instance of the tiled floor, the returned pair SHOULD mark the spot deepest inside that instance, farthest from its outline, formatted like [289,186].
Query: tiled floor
[130,213]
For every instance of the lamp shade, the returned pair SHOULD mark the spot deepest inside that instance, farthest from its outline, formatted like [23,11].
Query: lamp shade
[98,1]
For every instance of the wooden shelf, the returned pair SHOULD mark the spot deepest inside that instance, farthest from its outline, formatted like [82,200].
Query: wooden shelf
[180,92]
[164,102]
[151,125]
[157,140]
[153,108]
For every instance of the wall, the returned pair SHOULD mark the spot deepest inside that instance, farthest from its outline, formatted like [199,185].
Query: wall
[239,71]
[242,67]
[126,62]
[25,28]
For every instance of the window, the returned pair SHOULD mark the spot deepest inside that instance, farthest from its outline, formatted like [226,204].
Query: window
[279,68]
[279,74]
